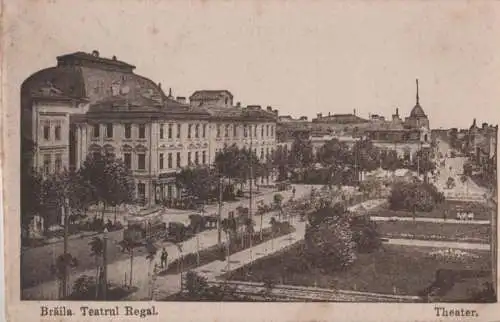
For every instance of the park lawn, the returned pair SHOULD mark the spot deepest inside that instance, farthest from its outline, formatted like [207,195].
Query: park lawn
[435,231]
[481,211]
[407,270]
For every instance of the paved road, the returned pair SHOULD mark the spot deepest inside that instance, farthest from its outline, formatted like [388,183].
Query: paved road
[454,168]
[437,244]
[434,220]
[119,263]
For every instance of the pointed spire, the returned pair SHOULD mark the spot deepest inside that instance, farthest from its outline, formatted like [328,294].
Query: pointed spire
[418,98]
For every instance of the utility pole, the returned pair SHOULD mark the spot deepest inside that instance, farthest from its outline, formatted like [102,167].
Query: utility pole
[251,184]
[219,214]
[65,213]
[105,264]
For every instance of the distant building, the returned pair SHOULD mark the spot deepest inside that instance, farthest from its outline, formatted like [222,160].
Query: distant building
[211,98]
[289,129]
[481,142]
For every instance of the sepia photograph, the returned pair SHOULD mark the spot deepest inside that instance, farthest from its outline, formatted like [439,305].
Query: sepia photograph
[251,152]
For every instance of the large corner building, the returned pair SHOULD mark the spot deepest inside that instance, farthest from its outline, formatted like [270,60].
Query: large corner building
[90,104]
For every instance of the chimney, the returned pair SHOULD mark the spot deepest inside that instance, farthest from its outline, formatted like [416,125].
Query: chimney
[319,115]
[354,112]
[114,57]
[275,112]
[329,114]
[159,85]
[95,53]
[485,125]
[170,92]
[397,111]
[181,99]
[238,104]
[303,118]
[269,108]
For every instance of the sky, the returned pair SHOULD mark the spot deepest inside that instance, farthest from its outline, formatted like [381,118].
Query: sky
[301,57]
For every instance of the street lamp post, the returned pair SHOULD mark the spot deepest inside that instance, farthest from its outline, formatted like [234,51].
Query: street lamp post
[105,264]
[219,214]
[65,213]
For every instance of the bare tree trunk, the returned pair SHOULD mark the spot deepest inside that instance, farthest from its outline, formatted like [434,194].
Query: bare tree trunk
[103,210]
[97,279]
[131,264]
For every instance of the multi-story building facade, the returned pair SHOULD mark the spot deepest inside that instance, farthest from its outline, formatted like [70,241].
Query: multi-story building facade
[481,142]
[89,104]
[248,127]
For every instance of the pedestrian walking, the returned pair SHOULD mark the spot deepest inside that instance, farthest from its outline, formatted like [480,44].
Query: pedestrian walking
[164,257]
[293,192]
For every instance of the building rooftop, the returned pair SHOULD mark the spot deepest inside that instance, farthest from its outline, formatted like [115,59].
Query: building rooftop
[90,77]
[209,94]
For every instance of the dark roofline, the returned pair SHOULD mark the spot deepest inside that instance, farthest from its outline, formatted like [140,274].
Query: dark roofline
[137,114]
[63,98]
[211,91]
[91,58]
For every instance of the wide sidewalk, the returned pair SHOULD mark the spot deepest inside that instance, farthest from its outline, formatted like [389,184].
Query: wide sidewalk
[119,271]
[432,220]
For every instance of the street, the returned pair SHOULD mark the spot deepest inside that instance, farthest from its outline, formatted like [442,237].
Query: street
[453,167]
[38,279]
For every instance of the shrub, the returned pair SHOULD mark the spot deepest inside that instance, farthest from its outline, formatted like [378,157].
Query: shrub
[329,240]
[365,234]
[196,284]
[415,196]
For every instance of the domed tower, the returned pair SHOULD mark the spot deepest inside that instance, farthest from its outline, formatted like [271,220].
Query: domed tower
[417,118]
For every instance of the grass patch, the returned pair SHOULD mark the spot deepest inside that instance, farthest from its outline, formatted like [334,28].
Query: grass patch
[435,231]
[214,253]
[406,270]
[481,211]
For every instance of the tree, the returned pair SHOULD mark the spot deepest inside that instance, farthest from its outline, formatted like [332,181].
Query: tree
[333,153]
[415,197]
[365,156]
[278,202]
[301,153]
[329,240]
[280,163]
[151,251]
[450,183]
[96,250]
[228,161]
[199,183]
[31,194]
[422,163]
[110,179]
[60,269]
[365,233]
[390,160]
[468,169]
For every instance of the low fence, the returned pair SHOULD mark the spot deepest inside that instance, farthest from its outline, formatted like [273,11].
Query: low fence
[290,293]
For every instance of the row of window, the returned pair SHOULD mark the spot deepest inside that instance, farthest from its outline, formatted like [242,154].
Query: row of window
[47,131]
[194,130]
[251,130]
[190,160]
[96,131]
[141,159]
[264,154]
